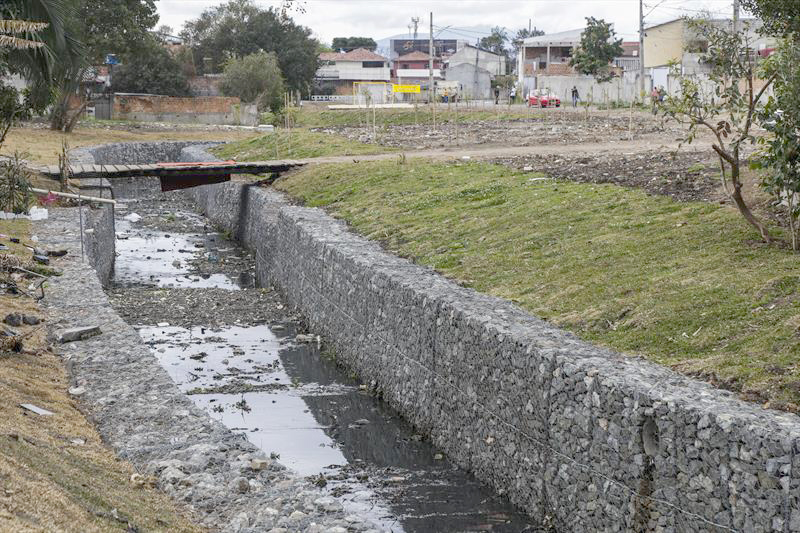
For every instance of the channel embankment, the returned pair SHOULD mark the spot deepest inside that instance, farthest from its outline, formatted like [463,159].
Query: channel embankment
[591,439]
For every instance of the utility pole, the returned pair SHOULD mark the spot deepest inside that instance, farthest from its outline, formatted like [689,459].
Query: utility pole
[641,49]
[430,63]
[736,16]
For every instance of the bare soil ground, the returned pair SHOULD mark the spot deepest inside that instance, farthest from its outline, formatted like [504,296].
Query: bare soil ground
[686,176]
[40,144]
[542,129]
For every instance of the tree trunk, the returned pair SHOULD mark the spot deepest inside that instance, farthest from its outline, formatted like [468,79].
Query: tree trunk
[736,194]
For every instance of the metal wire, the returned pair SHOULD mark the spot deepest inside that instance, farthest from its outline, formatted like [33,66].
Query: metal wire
[541,444]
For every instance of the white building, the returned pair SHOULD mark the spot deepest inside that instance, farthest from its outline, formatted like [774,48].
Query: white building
[495,64]
[338,71]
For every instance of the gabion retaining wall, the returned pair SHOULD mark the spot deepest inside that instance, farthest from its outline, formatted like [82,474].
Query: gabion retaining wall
[138,153]
[98,240]
[579,436]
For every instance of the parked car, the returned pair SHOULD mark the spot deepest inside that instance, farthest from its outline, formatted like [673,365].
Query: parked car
[543,99]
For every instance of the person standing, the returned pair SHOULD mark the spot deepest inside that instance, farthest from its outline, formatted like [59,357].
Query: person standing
[655,98]
[496,94]
[512,94]
[575,96]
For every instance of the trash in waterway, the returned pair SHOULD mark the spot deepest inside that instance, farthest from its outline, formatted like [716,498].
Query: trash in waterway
[132,217]
[34,409]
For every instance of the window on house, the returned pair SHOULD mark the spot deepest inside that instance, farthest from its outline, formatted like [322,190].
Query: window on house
[372,64]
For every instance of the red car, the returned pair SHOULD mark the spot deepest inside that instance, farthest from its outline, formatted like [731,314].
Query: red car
[543,100]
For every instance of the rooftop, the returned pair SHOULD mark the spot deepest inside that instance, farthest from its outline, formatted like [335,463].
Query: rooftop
[359,54]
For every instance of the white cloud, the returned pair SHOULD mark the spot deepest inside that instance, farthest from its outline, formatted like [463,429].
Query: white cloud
[379,19]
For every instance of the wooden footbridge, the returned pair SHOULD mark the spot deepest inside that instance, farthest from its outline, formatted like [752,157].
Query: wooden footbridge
[174,175]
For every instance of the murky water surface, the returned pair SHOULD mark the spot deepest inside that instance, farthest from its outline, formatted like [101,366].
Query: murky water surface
[275,385]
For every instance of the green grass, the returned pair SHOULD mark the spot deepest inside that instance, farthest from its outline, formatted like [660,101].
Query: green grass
[684,284]
[298,143]
[314,118]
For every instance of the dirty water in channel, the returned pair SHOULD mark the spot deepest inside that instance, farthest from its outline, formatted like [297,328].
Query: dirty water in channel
[244,357]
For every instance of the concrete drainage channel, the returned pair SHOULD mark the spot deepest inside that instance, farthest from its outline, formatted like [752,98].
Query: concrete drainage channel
[249,362]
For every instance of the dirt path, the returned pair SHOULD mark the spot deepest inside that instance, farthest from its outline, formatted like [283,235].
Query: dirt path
[649,144]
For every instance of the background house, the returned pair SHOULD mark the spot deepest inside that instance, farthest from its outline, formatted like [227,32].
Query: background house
[493,63]
[338,71]
[475,82]
[675,41]
[414,69]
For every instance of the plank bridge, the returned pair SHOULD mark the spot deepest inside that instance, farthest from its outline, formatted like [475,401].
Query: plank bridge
[175,175]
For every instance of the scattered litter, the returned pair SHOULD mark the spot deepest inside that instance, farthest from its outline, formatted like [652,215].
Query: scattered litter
[56,253]
[42,259]
[77,442]
[527,169]
[305,338]
[132,217]
[163,324]
[34,409]
[258,464]
[466,158]
[3,247]
[36,213]
[77,334]
[77,391]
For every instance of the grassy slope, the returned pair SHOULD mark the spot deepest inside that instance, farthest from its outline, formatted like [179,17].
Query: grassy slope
[49,482]
[316,118]
[298,143]
[681,283]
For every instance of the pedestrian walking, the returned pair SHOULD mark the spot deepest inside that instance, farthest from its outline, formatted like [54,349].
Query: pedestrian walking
[655,98]
[512,95]
[575,96]
[496,95]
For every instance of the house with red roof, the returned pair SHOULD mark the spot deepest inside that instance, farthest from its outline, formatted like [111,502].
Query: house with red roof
[413,68]
[339,70]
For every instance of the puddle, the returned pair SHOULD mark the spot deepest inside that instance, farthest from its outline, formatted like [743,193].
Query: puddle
[161,259]
[276,387]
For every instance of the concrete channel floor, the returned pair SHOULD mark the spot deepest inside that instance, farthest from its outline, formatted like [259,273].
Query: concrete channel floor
[262,375]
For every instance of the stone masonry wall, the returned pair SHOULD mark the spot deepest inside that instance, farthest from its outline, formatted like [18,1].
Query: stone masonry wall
[98,240]
[590,439]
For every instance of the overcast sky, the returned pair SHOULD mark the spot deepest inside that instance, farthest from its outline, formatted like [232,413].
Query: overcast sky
[381,18]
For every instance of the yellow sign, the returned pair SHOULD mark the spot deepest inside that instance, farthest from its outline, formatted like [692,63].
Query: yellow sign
[405,88]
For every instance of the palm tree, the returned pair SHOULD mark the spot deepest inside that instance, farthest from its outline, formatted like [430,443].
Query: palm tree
[9,29]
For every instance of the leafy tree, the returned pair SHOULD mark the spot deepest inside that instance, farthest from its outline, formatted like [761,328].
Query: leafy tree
[165,29]
[524,33]
[351,43]
[780,17]
[118,27]
[41,65]
[727,108]
[240,28]
[255,78]
[154,72]
[780,153]
[597,49]
[496,41]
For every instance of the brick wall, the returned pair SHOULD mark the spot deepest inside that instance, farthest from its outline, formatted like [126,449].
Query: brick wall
[200,109]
